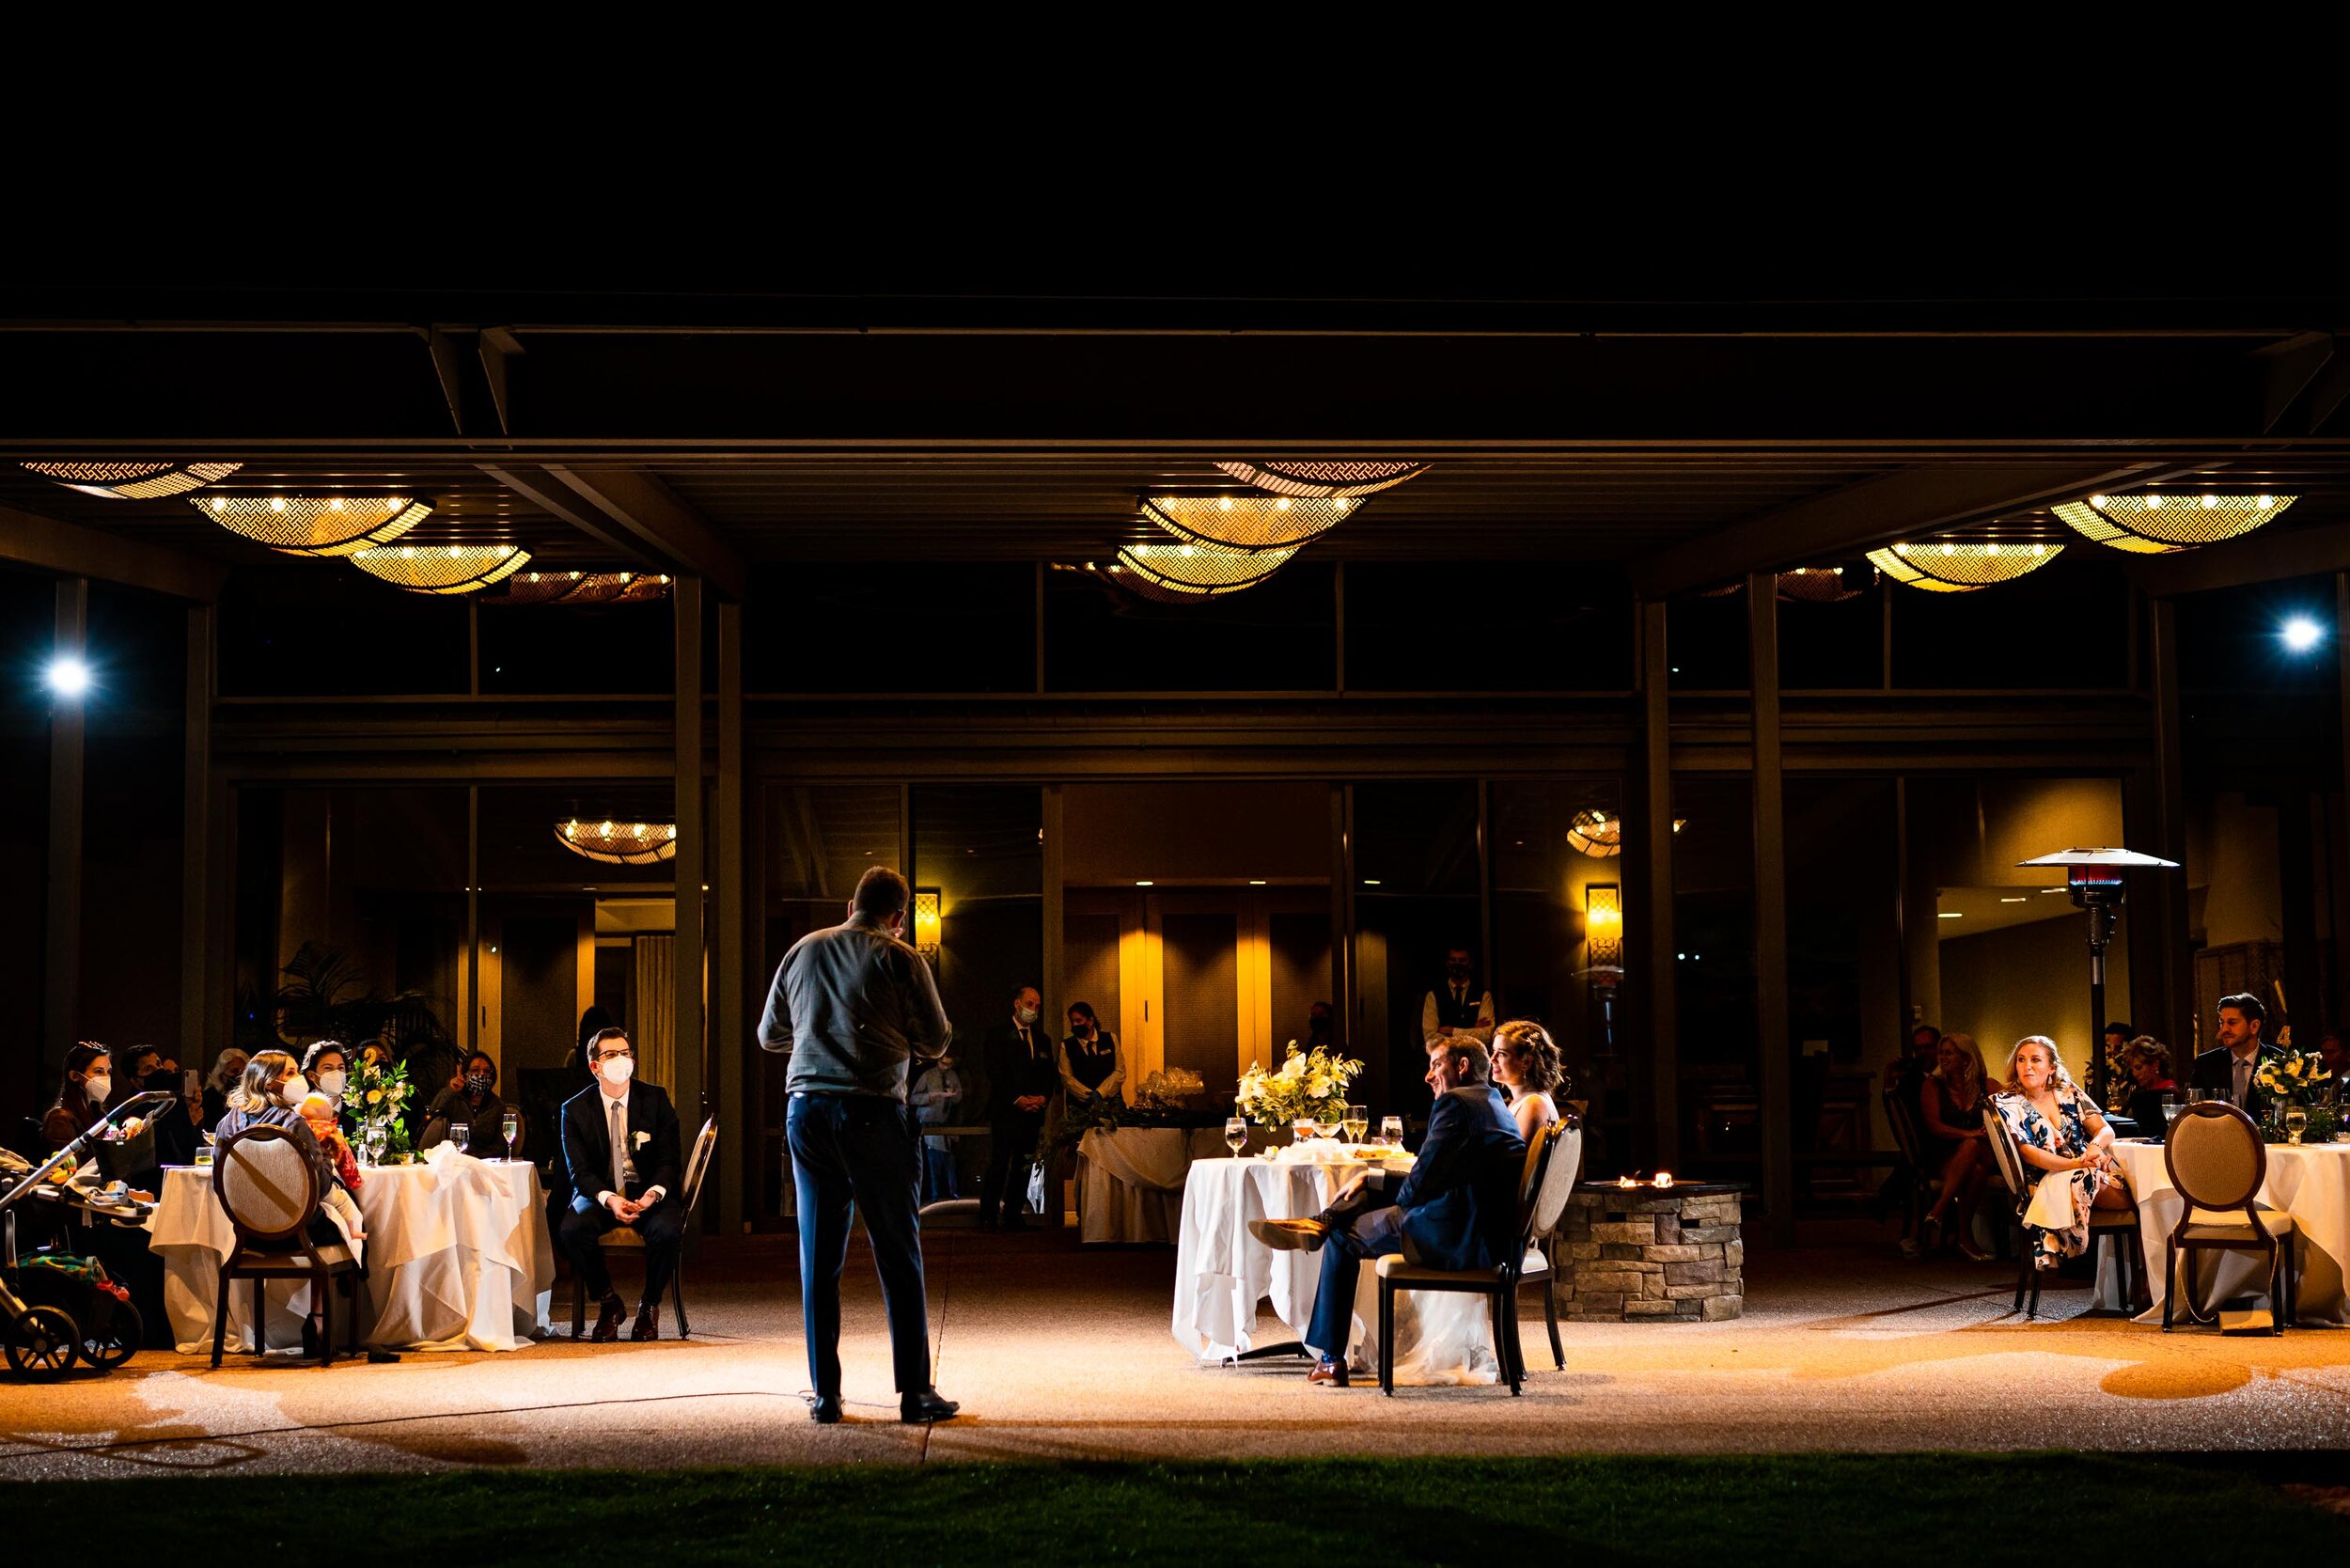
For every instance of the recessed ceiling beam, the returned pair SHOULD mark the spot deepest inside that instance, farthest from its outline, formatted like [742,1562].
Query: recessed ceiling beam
[651,510]
[45,544]
[2267,557]
[1906,504]
[542,490]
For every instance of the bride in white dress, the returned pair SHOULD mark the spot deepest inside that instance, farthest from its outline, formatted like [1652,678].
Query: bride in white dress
[1525,1066]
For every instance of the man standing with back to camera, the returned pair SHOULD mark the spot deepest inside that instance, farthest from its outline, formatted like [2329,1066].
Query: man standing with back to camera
[851,1006]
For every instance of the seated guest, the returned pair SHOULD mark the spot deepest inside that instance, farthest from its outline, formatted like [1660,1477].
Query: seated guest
[81,1098]
[226,1069]
[1950,1113]
[620,1143]
[2058,1132]
[2147,1061]
[2231,1068]
[2336,1057]
[1092,1070]
[935,1093]
[270,1094]
[1457,1208]
[176,1125]
[473,1100]
[1526,1068]
[324,1117]
[327,1065]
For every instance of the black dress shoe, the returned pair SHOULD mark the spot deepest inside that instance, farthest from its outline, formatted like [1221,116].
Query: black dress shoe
[312,1350]
[913,1409]
[647,1323]
[824,1409]
[608,1315]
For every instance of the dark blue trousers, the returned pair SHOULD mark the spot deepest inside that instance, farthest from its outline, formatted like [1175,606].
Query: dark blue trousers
[860,1150]
[1357,1234]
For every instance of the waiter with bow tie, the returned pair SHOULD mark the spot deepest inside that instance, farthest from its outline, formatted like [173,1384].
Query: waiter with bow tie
[1022,1073]
[1459,1006]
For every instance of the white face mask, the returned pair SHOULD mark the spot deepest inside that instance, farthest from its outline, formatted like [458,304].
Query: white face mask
[98,1086]
[1026,1015]
[332,1083]
[617,1070]
[294,1089]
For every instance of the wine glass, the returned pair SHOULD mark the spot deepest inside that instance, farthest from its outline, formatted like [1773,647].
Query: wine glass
[1391,1131]
[1357,1123]
[2297,1117]
[1301,1128]
[511,1125]
[1235,1135]
[459,1134]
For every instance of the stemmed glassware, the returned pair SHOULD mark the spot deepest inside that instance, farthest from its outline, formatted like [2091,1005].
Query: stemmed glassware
[1391,1131]
[1302,1128]
[460,1134]
[1357,1123]
[511,1125]
[2297,1117]
[1235,1135]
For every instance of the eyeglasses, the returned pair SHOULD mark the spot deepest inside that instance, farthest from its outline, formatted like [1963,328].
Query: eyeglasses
[615,1055]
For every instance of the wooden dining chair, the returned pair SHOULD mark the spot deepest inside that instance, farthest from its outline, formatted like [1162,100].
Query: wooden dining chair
[2105,1226]
[2217,1163]
[622,1238]
[1550,1211]
[1900,1115]
[1498,1286]
[269,1190]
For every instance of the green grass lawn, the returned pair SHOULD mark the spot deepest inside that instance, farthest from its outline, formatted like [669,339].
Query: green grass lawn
[1904,1511]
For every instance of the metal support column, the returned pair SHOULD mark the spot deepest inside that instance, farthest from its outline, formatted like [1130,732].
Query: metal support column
[2178,1023]
[61,952]
[691,855]
[196,843]
[734,983]
[1652,898]
[1770,911]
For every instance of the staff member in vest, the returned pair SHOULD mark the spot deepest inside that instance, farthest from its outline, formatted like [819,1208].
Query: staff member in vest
[851,1006]
[1092,1068]
[1457,1007]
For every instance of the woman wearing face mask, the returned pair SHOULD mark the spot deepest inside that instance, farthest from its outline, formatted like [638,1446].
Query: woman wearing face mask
[472,1098]
[266,1096]
[81,1098]
[1092,1070]
[327,1065]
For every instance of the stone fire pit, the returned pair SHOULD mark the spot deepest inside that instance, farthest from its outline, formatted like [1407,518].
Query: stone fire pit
[1644,1254]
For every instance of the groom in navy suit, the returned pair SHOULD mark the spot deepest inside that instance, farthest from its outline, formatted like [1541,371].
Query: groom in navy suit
[1457,1208]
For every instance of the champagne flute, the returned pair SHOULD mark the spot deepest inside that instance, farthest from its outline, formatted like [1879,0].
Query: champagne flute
[511,1125]
[1235,1135]
[1357,1123]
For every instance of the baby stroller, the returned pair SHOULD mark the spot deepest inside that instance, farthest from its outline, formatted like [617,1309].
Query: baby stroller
[56,1310]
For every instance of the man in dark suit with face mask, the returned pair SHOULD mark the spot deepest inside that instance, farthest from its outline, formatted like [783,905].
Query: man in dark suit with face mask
[621,1144]
[1022,1073]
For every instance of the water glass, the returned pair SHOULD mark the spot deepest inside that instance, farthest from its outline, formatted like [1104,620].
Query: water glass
[1391,1131]
[1235,1135]
[2297,1117]
[460,1134]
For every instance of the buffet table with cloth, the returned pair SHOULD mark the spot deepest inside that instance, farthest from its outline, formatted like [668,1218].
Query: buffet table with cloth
[457,1257]
[2311,1181]
[1222,1272]
[1130,1179]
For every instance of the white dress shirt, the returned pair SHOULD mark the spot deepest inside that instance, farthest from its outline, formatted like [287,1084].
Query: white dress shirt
[604,1198]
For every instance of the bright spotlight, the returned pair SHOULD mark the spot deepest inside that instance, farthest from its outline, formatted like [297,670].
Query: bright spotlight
[68,677]
[2301,633]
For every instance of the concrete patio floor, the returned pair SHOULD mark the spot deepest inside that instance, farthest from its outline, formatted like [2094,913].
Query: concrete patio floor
[1063,1354]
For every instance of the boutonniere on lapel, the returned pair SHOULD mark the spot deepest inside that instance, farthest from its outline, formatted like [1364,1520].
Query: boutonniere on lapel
[643,1138]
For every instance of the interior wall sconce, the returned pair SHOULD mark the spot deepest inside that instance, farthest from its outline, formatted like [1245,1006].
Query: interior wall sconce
[1602,928]
[926,923]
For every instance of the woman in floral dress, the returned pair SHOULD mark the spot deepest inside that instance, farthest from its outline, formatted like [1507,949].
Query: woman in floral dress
[2058,1131]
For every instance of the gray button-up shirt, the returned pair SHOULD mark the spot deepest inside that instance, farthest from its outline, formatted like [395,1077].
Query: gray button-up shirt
[851,1006]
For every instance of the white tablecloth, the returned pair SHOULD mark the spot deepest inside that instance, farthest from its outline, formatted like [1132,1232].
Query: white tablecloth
[1130,1182]
[2311,1181]
[1222,1272]
[457,1258]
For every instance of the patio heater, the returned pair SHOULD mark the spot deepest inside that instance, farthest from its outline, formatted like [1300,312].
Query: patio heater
[2093,877]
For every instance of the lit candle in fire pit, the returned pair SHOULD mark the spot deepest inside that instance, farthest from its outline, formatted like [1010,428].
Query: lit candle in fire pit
[1626,1181]
[1664,1179]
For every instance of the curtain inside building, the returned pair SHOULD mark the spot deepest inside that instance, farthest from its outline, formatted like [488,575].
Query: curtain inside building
[656,1009]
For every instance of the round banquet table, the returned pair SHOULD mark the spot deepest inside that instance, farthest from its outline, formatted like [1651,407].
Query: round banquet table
[1222,1272]
[2311,1181]
[1130,1179]
[457,1252]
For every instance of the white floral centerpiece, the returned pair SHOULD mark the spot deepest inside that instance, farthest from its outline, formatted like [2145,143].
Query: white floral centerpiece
[1309,1083]
[375,1097]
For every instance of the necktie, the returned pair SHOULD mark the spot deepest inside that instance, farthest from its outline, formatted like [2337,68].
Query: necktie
[619,1147]
[2243,1081]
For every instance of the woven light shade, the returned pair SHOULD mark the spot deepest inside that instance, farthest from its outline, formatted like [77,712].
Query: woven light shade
[617,843]
[1596,834]
[581,587]
[314,524]
[441,568]
[1307,476]
[2158,525]
[1962,566]
[1188,573]
[134,481]
[1822,584]
[1243,522]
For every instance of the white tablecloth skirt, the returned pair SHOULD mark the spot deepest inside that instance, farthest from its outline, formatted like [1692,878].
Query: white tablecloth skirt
[1222,1272]
[2311,1181]
[457,1258]
[1130,1182]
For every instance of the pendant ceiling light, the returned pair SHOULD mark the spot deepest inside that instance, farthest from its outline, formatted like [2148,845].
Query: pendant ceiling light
[134,481]
[314,524]
[1596,834]
[1243,522]
[1822,584]
[1962,566]
[441,568]
[1294,476]
[617,843]
[2158,525]
[581,587]
[1181,573]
